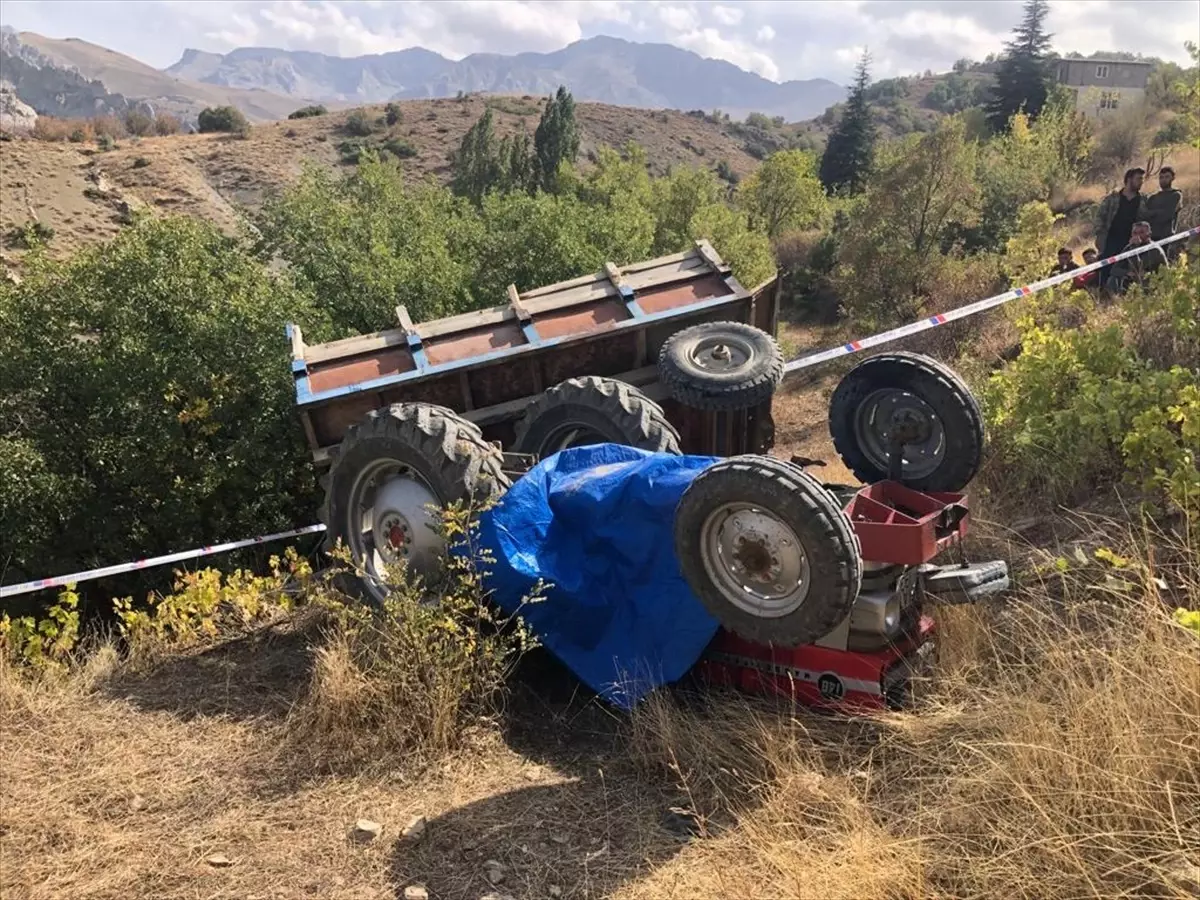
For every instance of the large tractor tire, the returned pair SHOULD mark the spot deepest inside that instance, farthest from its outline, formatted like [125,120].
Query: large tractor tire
[593,410]
[924,397]
[768,551]
[721,366]
[391,472]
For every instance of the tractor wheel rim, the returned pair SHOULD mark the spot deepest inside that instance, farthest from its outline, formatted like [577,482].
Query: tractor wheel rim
[721,354]
[392,523]
[886,408]
[755,559]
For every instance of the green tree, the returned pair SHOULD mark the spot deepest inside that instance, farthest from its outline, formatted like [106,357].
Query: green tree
[476,167]
[747,250]
[784,193]
[365,242]
[1023,77]
[846,162]
[514,163]
[892,253]
[147,400]
[556,140]
[678,199]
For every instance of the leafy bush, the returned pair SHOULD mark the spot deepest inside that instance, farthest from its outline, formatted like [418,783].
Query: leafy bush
[106,142]
[148,402]
[399,148]
[140,163]
[109,126]
[308,112]
[359,124]
[165,124]
[45,641]
[351,151]
[30,235]
[138,123]
[1082,407]
[78,136]
[393,114]
[1174,132]
[222,119]
[407,679]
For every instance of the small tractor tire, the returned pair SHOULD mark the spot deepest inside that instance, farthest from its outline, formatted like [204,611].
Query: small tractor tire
[593,410]
[767,550]
[397,462]
[865,406]
[721,366]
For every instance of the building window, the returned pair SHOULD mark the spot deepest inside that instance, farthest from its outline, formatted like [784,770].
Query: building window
[1101,71]
[1108,99]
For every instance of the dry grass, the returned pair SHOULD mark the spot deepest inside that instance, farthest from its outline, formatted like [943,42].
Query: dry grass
[1056,753]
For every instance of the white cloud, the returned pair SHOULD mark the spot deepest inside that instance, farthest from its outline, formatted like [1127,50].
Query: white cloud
[679,18]
[726,15]
[709,42]
[774,39]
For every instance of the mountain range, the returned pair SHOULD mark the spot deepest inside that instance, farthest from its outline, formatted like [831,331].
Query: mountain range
[71,77]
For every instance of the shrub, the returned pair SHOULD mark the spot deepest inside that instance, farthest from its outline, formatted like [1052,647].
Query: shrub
[163,350]
[308,112]
[725,172]
[141,162]
[351,151]
[207,605]
[359,124]
[222,119]
[165,124]
[30,235]
[393,114]
[1084,407]
[80,135]
[49,128]
[138,123]
[1174,132]
[399,148]
[108,126]
[45,641]
[106,142]
[407,679]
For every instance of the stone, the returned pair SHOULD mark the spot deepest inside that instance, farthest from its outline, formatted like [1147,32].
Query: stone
[558,838]
[416,892]
[219,861]
[554,891]
[415,830]
[492,895]
[493,871]
[682,822]
[366,830]
[137,803]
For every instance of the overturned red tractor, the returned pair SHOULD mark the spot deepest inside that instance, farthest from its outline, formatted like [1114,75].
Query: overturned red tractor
[821,590]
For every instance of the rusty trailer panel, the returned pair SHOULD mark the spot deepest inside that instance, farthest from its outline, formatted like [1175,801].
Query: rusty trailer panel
[487,365]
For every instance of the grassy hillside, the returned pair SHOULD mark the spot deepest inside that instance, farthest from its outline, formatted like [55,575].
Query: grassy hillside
[213,175]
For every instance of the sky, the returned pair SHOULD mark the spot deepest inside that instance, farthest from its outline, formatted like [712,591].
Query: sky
[777,39]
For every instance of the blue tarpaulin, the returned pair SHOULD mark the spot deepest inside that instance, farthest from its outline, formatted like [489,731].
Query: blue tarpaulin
[597,524]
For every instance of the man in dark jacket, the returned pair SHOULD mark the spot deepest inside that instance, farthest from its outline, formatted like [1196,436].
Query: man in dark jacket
[1066,261]
[1162,209]
[1118,211]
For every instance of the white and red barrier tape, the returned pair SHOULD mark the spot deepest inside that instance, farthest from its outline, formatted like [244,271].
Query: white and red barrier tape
[794,366]
[91,574]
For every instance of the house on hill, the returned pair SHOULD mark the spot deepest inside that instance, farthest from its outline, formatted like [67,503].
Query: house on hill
[1103,87]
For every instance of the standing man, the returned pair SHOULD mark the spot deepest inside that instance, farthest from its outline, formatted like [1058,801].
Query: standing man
[1118,211]
[1162,209]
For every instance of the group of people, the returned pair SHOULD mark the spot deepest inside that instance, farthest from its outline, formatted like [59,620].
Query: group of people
[1128,219]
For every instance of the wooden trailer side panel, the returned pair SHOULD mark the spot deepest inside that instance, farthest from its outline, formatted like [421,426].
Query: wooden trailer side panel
[488,365]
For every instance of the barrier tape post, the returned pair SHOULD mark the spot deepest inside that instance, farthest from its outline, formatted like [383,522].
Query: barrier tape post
[795,365]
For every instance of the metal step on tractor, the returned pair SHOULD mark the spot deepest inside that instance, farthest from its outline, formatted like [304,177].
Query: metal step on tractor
[822,590]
